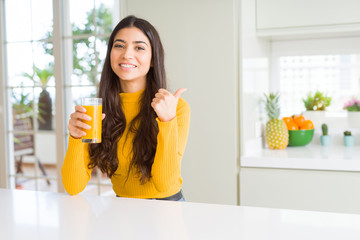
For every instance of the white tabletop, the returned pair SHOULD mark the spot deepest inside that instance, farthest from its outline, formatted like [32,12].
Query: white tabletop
[43,215]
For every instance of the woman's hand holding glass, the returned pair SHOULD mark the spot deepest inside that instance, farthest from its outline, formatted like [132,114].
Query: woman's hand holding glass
[76,125]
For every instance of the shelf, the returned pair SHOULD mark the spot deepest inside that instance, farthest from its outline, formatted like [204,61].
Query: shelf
[313,156]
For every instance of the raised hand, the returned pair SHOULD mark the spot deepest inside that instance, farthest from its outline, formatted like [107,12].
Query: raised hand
[75,125]
[164,103]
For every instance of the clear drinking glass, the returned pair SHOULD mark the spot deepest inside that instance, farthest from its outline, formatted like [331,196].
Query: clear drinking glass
[93,108]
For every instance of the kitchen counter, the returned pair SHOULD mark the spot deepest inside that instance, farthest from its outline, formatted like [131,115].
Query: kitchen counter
[45,215]
[312,156]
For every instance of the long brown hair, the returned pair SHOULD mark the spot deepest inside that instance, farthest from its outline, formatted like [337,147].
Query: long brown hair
[144,125]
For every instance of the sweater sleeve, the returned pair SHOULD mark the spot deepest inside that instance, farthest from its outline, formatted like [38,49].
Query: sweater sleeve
[75,172]
[171,143]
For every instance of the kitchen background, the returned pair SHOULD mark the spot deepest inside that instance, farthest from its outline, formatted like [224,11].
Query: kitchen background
[228,54]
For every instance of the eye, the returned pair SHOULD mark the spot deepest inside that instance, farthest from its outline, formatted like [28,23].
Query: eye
[139,48]
[118,46]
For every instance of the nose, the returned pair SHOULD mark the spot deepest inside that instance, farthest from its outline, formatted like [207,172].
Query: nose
[128,53]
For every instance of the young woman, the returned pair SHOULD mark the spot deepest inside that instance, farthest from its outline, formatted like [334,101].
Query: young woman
[145,129]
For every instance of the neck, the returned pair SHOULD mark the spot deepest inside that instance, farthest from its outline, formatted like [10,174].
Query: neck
[132,86]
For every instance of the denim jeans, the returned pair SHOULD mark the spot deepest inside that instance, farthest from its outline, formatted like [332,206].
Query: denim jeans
[182,199]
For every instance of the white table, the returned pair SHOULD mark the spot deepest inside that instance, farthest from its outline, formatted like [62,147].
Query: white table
[43,215]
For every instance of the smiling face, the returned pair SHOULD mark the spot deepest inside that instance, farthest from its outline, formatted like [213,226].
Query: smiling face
[131,57]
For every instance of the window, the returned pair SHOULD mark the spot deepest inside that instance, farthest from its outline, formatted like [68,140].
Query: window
[329,69]
[335,75]
[31,86]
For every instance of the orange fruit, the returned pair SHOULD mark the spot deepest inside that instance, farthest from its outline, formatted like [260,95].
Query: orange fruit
[292,126]
[290,123]
[299,120]
[287,119]
[307,125]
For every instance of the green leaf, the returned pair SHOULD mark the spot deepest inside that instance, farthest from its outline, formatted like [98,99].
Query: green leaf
[317,102]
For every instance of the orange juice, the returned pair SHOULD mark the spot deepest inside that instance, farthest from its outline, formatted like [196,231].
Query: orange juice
[93,135]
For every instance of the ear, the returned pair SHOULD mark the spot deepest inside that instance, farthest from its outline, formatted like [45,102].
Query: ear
[152,62]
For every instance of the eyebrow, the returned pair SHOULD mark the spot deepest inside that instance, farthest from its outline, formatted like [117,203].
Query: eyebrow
[123,41]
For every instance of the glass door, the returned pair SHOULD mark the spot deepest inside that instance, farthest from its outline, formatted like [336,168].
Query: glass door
[30,91]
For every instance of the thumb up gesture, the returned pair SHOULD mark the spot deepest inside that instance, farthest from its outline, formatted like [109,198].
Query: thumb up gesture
[165,103]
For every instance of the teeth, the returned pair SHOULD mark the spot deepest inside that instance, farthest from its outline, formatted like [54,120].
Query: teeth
[127,65]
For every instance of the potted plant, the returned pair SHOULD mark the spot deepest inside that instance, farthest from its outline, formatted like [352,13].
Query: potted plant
[325,138]
[22,106]
[41,77]
[317,102]
[353,109]
[348,139]
[315,105]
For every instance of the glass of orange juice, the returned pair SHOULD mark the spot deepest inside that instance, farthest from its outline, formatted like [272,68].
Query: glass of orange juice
[93,108]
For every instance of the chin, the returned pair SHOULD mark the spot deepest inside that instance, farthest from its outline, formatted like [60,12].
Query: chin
[126,78]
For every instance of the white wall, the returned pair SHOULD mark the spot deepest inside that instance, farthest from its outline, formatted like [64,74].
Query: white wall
[255,57]
[200,41]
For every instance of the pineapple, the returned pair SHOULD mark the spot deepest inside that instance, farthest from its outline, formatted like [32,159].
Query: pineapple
[276,132]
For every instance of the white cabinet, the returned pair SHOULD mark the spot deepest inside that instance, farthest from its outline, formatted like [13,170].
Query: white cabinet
[312,178]
[330,191]
[298,17]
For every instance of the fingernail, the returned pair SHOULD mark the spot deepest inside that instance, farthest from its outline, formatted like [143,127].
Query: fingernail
[88,118]
[83,133]
[87,127]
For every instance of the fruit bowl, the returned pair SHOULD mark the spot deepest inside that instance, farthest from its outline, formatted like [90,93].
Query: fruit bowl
[300,137]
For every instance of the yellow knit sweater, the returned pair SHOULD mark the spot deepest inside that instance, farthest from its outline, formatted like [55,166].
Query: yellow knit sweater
[166,170]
